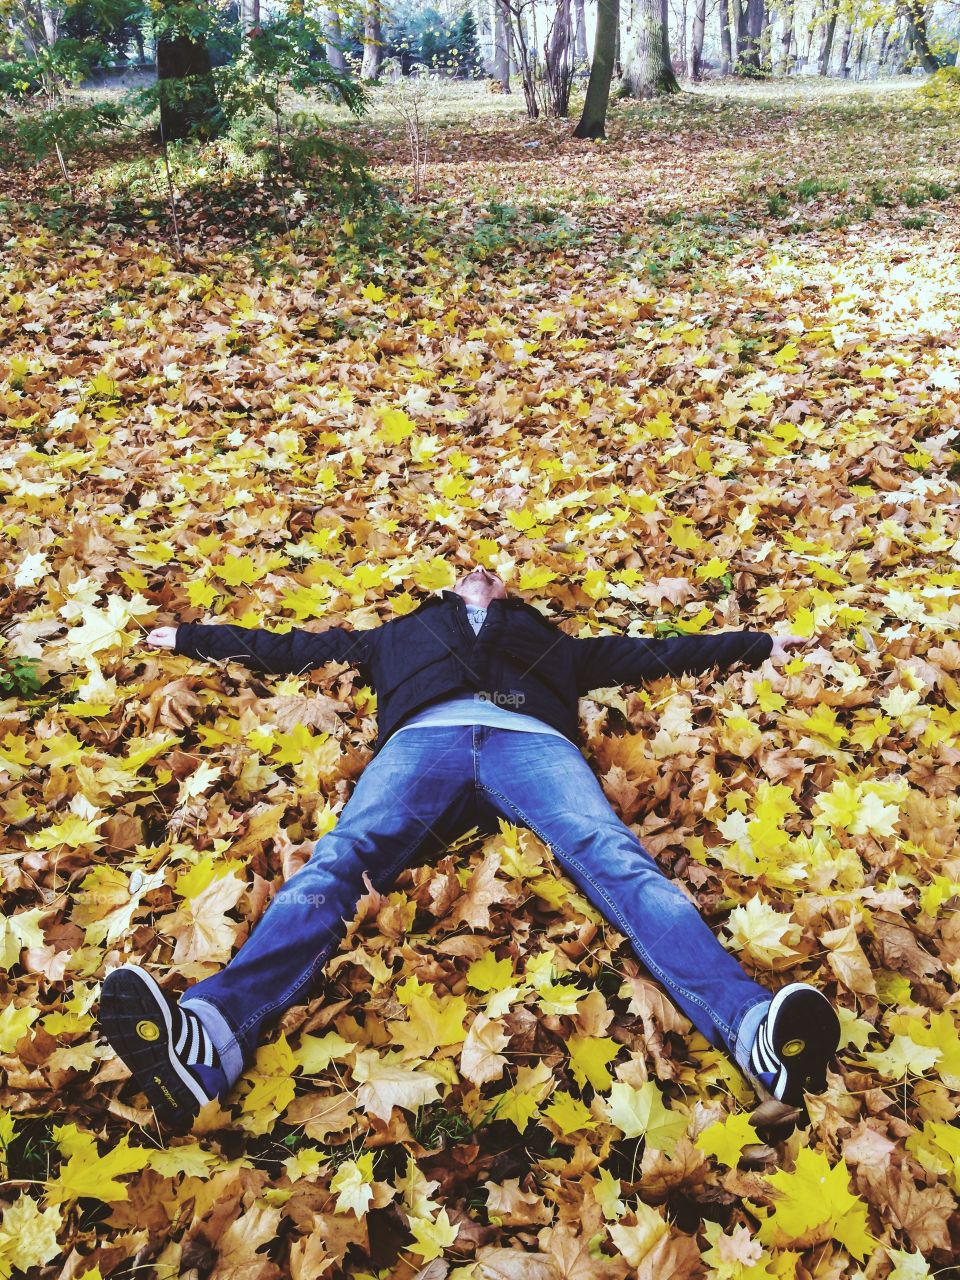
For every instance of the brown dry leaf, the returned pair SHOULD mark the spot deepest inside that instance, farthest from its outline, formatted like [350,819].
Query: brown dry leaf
[237,1257]
[515,1207]
[483,890]
[201,926]
[673,1257]
[900,951]
[847,960]
[570,1252]
[515,1264]
[922,1212]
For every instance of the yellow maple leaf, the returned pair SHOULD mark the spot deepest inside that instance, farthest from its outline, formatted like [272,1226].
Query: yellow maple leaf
[761,931]
[595,584]
[28,1235]
[606,1192]
[103,628]
[86,1173]
[816,1197]
[15,1023]
[435,574]
[238,571]
[353,1185]
[432,1022]
[641,1113]
[188,1158]
[490,974]
[387,1082]
[396,426]
[569,1113]
[635,1240]
[272,1077]
[589,1058]
[74,831]
[433,1236]
[726,1139]
[315,1053]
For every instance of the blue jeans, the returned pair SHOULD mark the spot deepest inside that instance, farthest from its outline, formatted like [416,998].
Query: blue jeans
[423,789]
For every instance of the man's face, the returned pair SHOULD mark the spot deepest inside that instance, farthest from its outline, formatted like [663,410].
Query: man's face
[479,587]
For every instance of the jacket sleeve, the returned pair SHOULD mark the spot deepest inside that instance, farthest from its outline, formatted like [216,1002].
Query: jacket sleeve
[294,652]
[603,661]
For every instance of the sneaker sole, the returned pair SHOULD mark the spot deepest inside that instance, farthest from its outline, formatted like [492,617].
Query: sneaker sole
[805,1035]
[135,1018]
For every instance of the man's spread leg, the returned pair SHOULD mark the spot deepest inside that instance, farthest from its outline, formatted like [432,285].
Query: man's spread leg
[545,783]
[414,796]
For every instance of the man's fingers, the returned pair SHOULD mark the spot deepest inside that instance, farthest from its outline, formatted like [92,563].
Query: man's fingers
[161,637]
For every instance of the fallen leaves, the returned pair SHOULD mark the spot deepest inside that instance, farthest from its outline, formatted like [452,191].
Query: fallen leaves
[646,426]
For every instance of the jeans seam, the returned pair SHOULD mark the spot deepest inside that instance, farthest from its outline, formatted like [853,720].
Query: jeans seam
[667,982]
[187,997]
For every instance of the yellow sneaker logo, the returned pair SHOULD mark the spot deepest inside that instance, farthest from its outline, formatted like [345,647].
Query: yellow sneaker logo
[164,1090]
[792,1048]
[147,1030]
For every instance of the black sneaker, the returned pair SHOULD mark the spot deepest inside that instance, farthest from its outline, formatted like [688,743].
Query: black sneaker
[168,1050]
[794,1043]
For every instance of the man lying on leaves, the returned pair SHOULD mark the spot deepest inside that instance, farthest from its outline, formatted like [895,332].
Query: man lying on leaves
[477,706]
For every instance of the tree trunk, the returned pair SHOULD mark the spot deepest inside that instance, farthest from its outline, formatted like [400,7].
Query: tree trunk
[738,29]
[501,46]
[558,61]
[826,49]
[334,42]
[580,33]
[51,22]
[917,18]
[884,41]
[648,72]
[726,48]
[372,41]
[751,31]
[808,47]
[249,16]
[863,51]
[188,101]
[766,42]
[481,13]
[593,121]
[845,50]
[681,27]
[786,40]
[695,55]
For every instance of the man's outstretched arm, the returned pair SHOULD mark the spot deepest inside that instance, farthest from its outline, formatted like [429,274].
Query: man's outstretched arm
[602,661]
[292,653]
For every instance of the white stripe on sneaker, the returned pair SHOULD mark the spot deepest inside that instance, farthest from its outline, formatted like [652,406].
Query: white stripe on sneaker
[764,1057]
[178,1047]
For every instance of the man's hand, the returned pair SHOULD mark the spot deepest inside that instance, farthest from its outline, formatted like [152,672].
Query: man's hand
[782,643]
[161,638]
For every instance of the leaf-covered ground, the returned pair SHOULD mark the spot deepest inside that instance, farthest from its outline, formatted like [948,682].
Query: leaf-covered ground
[704,375]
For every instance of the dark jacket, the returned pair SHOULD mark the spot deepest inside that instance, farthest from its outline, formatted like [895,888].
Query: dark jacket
[519,660]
